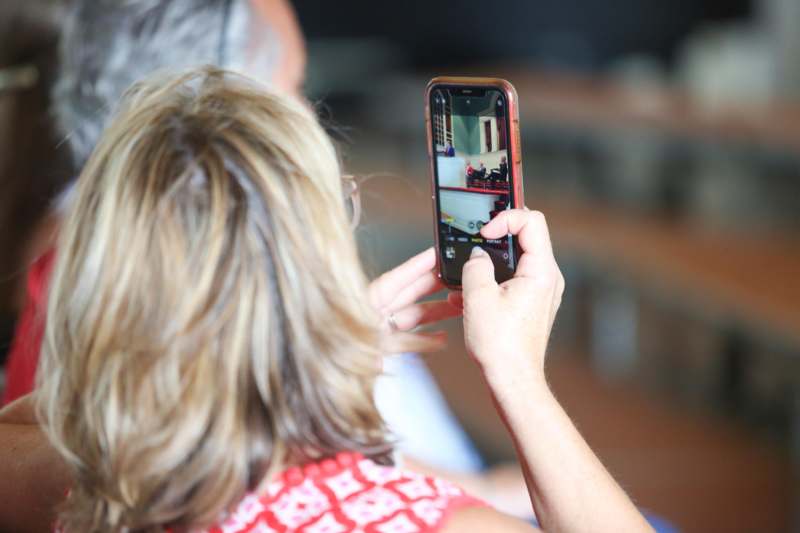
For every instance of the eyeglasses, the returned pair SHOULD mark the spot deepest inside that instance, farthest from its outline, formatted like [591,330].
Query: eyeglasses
[352,199]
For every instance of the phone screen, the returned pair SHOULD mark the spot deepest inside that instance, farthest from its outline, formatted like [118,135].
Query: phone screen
[473,181]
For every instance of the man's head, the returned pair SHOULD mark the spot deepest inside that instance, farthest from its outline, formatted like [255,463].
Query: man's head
[108,45]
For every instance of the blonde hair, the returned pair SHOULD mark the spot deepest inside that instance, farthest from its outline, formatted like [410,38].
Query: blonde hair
[208,319]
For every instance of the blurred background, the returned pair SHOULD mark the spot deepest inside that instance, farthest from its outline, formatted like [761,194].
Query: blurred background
[662,142]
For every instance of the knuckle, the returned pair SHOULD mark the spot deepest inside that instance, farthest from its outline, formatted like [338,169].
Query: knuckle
[538,217]
[552,274]
[550,278]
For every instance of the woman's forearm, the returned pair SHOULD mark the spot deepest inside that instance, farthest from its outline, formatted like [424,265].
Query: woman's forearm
[569,487]
[506,329]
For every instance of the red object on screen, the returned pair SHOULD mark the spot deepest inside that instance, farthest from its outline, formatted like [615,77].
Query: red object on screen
[26,346]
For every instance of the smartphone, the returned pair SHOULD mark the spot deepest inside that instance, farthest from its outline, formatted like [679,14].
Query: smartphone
[476,170]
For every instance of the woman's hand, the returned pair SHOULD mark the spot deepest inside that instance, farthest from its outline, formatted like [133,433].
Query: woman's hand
[395,294]
[507,326]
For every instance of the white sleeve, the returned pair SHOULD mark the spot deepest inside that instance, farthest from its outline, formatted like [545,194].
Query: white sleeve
[418,415]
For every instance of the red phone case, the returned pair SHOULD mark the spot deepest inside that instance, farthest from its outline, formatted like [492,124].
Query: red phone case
[514,148]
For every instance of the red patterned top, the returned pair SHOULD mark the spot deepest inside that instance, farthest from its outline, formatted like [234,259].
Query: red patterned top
[348,494]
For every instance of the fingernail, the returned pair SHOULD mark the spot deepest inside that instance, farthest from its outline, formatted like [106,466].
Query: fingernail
[477,251]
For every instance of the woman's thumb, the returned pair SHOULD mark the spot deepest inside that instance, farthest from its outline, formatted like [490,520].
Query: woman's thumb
[478,272]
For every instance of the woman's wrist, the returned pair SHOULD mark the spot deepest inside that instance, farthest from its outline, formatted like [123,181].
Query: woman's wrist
[511,382]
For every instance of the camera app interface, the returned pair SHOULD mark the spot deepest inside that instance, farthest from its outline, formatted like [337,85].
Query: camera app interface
[473,185]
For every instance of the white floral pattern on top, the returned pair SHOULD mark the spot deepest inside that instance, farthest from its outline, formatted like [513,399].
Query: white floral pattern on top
[347,495]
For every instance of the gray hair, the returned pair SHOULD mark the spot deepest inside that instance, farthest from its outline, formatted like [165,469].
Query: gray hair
[107,45]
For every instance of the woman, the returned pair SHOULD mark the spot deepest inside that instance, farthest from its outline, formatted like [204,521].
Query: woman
[211,345]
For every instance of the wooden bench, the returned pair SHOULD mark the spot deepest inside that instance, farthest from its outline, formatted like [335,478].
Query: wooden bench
[593,102]
[750,280]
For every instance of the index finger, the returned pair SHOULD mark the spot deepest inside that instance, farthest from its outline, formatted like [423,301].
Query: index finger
[530,228]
